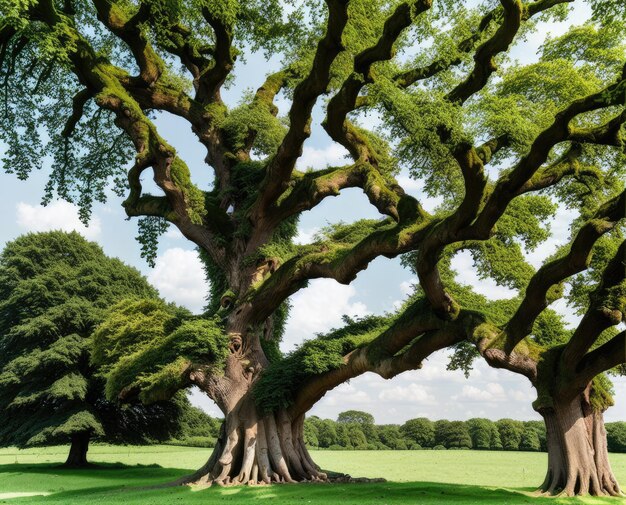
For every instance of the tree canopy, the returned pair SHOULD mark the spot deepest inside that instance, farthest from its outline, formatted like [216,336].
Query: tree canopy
[55,288]
[499,145]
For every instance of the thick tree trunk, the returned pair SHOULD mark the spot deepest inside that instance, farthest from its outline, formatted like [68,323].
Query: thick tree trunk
[77,458]
[258,449]
[253,447]
[578,460]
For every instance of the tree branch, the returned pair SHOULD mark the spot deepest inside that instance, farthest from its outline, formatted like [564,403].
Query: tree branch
[485,55]
[305,95]
[128,29]
[209,83]
[345,261]
[601,359]
[345,100]
[513,183]
[411,338]
[78,104]
[538,296]
[607,308]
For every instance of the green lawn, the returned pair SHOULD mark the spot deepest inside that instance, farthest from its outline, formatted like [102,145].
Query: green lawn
[416,477]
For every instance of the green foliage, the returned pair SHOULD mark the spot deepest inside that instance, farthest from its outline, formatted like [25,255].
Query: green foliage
[147,347]
[282,379]
[54,289]
[149,229]
[355,416]
[616,436]
[510,433]
[420,430]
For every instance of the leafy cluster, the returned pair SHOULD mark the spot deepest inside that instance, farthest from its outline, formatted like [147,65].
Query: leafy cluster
[55,289]
[146,348]
[280,381]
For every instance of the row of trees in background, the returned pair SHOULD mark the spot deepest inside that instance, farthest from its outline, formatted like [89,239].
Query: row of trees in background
[356,430]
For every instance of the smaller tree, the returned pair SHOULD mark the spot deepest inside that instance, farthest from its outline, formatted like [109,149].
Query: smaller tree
[616,436]
[311,433]
[529,440]
[391,436]
[327,433]
[364,420]
[481,433]
[420,431]
[510,433]
[54,289]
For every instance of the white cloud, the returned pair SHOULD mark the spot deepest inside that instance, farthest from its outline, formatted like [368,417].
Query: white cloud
[318,308]
[407,287]
[59,215]
[463,264]
[493,392]
[331,155]
[412,392]
[347,394]
[180,278]
[305,236]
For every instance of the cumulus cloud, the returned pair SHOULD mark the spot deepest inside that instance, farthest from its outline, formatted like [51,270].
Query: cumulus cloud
[59,215]
[345,395]
[305,236]
[318,308]
[179,277]
[466,274]
[412,392]
[493,392]
[315,158]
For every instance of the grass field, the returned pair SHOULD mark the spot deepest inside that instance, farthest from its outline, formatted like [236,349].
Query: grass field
[126,475]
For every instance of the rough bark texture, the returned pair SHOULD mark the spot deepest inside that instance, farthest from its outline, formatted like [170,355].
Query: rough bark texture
[77,458]
[578,462]
[253,447]
[258,449]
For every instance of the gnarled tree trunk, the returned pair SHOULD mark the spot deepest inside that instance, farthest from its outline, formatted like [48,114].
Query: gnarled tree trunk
[253,447]
[578,460]
[77,458]
[258,449]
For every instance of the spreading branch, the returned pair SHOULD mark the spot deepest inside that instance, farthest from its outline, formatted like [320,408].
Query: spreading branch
[537,296]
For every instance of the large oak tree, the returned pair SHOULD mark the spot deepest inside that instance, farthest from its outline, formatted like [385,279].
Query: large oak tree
[497,142]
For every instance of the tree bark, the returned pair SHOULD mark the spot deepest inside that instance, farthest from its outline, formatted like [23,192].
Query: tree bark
[77,458]
[578,460]
[255,448]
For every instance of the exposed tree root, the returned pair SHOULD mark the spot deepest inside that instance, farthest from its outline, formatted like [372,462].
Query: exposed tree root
[255,450]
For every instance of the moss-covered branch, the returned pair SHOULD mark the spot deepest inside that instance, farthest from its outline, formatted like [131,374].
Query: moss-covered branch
[602,358]
[607,308]
[345,100]
[485,54]
[304,98]
[511,183]
[341,260]
[544,285]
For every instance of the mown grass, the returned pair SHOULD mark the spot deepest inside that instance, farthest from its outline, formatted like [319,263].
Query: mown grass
[127,475]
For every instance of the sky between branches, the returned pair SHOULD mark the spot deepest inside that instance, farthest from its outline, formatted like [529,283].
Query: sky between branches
[432,391]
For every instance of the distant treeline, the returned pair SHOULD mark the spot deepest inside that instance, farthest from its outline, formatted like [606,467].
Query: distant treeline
[356,430]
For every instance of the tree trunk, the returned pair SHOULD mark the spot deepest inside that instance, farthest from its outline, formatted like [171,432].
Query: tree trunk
[258,449]
[77,458]
[578,460]
[253,447]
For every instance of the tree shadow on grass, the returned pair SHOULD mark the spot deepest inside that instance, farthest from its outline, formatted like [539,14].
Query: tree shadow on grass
[124,484]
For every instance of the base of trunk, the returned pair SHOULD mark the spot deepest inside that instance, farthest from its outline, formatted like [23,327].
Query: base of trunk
[578,459]
[77,458]
[254,449]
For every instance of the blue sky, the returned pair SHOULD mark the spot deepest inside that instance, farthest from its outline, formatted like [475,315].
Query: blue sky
[432,391]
